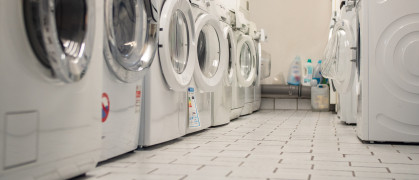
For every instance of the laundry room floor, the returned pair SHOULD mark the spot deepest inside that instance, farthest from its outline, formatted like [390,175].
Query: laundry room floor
[268,145]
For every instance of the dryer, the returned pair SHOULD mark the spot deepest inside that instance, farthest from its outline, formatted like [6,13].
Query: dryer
[222,97]
[211,61]
[51,80]
[389,78]
[130,44]
[164,106]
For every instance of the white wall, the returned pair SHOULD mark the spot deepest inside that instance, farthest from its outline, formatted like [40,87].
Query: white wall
[294,27]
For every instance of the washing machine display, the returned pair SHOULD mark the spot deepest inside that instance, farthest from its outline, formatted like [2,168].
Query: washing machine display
[49,108]
[131,32]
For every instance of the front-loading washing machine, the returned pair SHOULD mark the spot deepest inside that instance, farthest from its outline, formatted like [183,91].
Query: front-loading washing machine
[245,68]
[130,44]
[345,32]
[211,63]
[51,76]
[258,37]
[249,65]
[222,97]
[389,75]
[164,106]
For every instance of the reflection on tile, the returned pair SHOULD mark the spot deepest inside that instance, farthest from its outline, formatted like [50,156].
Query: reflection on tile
[281,144]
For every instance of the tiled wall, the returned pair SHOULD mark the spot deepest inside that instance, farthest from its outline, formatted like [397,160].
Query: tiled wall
[285,104]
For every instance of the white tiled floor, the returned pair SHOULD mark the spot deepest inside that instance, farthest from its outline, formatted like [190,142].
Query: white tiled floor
[284,144]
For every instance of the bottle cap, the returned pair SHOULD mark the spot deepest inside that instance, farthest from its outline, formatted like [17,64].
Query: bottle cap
[309,60]
[320,61]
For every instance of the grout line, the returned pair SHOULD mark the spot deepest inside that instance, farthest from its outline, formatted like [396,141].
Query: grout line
[184,177]
[312,158]
[350,164]
[200,167]
[380,160]
[229,173]
[388,170]
[149,157]
[241,163]
[312,166]
[103,175]
[280,161]
[353,173]
[173,161]
[187,153]
[247,156]
[152,171]
[196,147]
[276,169]
[214,158]
[309,177]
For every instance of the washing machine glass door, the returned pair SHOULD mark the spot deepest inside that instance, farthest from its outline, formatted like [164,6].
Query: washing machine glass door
[131,34]
[246,61]
[175,43]
[231,45]
[61,34]
[345,65]
[211,53]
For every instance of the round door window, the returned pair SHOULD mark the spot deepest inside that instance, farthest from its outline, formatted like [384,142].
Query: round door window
[71,25]
[208,50]
[126,25]
[179,42]
[61,34]
[245,61]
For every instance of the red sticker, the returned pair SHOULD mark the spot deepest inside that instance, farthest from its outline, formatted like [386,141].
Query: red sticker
[105,106]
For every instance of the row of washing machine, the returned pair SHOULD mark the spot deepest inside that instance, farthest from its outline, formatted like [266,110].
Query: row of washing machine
[372,59]
[84,81]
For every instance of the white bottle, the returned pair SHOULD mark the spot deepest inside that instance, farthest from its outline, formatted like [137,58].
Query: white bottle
[307,73]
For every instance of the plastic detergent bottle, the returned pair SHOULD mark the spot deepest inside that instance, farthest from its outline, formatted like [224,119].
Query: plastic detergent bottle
[308,73]
[294,73]
[317,74]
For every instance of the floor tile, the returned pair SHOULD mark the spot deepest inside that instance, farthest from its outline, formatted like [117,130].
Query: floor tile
[269,144]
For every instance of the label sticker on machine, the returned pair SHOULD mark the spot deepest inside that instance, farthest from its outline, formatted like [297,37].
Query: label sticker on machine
[194,121]
[138,99]
[105,107]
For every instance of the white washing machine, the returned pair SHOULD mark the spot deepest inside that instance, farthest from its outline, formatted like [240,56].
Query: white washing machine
[222,97]
[211,63]
[346,45]
[389,75]
[164,106]
[245,69]
[258,36]
[131,42]
[51,78]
